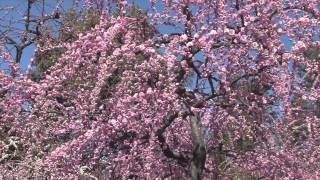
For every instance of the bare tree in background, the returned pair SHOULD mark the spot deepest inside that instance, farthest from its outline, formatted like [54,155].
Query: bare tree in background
[21,25]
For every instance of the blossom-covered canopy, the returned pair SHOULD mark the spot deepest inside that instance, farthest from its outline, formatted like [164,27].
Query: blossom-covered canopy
[218,96]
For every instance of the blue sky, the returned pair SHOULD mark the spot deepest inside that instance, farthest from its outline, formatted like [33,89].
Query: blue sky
[19,8]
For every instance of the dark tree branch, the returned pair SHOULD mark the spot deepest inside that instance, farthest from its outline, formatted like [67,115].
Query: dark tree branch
[25,38]
[181,157]
[241,16]
[246,75]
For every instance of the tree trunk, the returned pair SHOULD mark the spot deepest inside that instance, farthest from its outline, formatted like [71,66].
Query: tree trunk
[199,151]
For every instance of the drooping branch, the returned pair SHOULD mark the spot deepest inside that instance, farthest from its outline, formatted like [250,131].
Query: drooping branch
[181,157]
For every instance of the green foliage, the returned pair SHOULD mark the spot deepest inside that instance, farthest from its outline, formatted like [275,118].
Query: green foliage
[110,83]
[299,132]
[317,109]
[77,22]
[147,31]
[44,61]
[257,87]
[73,24]
[310,79]
[312,54]
[245,144]
[241,176]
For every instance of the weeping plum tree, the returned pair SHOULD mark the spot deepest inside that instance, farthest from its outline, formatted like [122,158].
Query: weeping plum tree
[217,97]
